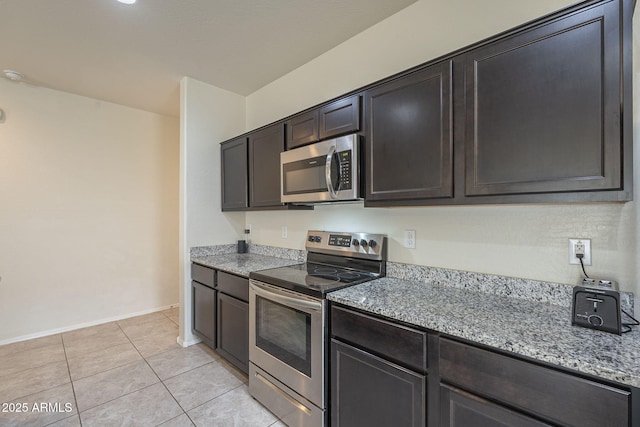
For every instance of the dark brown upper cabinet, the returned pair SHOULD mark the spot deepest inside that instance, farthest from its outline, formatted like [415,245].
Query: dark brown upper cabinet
[336,118]
[340,117]
[409,140]
[543,108]
[265,147]
[541,113]
[235,189]
[302,129]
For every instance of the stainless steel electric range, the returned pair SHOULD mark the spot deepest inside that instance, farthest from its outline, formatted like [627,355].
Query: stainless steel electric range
[288,340]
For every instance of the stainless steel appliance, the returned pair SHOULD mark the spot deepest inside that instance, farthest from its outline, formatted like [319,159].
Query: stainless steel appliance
[288,341]
[321,172]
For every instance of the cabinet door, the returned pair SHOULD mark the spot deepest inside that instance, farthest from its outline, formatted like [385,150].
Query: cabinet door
[204,313]
[340,117]
[543,108]
[233,331]
[409,137]
[265,147]
[369,391]
[460,409]
[235,191]
[302,129]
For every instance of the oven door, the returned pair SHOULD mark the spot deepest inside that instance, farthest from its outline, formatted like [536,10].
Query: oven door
[287,338]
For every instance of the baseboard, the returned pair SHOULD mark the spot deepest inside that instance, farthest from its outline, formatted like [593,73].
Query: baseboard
[85,325]
[188,343]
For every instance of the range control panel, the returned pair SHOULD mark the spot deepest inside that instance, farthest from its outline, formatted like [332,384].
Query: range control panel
[359,245]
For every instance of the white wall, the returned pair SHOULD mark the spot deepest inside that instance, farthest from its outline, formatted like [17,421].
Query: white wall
[208,115]
[423,31]
[88,211]
[524,241]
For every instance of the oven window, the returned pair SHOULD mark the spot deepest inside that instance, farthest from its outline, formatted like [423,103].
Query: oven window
[305,176]
[285,333]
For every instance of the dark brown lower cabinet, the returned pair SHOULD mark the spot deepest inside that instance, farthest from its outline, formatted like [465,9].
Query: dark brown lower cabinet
[204,313]
[547,394]
[388,373]
[378,372]
[221,313]
[370,391]
[233,331]
[461,409]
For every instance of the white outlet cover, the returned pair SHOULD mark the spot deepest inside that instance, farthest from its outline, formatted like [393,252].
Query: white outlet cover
[586,260]
[284,231]
[410,239]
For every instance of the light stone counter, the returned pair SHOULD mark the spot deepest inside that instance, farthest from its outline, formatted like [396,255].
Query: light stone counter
[538,330]
[524,317]
[242,264]
[224,258]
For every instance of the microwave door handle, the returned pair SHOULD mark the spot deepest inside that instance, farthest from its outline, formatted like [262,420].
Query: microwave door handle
[327,172]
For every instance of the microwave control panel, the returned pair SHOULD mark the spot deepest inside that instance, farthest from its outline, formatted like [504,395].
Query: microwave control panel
[345,169]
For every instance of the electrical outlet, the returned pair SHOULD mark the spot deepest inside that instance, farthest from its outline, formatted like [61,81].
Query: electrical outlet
[248,229]
[284,231]
[578,246]
[410,239]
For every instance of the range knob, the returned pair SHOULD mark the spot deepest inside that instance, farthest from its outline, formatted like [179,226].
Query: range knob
[318,239]
[355,242]
[372,243]
[311,239]
[364,243]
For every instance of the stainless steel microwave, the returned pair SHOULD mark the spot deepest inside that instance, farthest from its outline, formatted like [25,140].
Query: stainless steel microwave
[326,171]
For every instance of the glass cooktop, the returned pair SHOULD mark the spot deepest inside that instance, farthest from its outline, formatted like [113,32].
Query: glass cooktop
[312,279]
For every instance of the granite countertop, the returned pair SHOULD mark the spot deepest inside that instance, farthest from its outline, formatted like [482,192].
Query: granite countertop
[536,330]
[242,264]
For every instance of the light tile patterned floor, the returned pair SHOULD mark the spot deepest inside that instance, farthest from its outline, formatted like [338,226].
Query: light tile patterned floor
[126,373]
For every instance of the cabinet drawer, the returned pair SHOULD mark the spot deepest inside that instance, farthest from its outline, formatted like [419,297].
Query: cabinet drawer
[204,275]
[399,343]
[235,286]
[555,396]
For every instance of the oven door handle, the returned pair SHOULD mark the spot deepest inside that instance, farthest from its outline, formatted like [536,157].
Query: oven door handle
[300,304]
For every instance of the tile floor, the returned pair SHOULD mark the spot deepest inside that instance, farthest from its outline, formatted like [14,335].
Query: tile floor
[126,373]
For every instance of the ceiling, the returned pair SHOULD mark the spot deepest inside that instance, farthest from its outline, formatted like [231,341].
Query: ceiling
[136,55]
